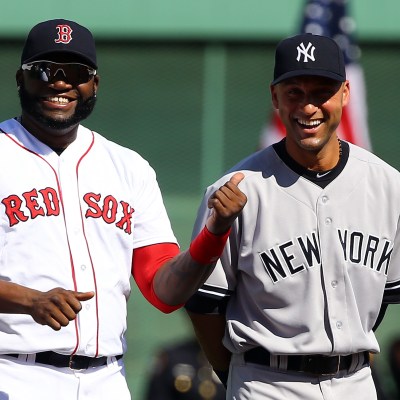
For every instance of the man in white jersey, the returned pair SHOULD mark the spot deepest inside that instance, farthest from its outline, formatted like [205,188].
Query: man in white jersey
[78,216]
[313,260]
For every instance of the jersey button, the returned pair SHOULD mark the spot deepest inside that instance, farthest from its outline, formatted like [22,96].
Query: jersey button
[328,221]
[334,284]
[83,267]
[325,199]
[339,324]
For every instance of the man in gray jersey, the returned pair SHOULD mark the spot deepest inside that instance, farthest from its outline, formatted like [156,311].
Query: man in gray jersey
[309,268]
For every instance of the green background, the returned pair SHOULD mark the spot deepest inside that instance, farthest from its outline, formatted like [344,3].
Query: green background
[186,84]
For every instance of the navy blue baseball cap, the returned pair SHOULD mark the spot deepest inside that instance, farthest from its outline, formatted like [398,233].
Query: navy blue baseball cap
[308,54]
[59,36]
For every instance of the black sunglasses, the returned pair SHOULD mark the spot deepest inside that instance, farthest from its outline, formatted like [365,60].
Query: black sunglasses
[46,71]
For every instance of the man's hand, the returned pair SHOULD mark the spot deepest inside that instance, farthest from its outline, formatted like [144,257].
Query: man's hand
[57,307]
[227,202]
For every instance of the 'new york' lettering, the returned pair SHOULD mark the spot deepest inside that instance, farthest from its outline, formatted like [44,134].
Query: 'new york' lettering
[294,256]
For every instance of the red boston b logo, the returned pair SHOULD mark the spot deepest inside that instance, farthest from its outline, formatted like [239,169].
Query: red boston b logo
[64,34]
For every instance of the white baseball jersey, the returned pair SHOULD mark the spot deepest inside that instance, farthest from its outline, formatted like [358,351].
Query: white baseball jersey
[72,221]
[307,267]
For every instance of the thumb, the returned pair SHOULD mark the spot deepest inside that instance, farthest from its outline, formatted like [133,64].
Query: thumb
[237,178]
[82,296]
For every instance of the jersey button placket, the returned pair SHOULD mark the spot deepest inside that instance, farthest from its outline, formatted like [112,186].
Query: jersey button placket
[84,278]
[328,221]
[324,200]
[334,291]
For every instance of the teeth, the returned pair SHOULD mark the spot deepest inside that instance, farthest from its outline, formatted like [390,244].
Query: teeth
[313,123]
[62,100]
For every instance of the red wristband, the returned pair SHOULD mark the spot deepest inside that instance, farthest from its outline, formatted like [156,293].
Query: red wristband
[206,248]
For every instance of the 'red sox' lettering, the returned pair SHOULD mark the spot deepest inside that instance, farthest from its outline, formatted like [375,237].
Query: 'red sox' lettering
[108,210]
[15,205]
[45,202]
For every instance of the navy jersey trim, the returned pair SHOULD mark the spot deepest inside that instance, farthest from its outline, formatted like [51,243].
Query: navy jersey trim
[205,305]
[322,179]
[209,300]
[392,285]
[391,295]
[213,291]
[381,314]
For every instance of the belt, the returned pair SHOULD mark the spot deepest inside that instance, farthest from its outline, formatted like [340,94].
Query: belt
[75,362]
[315,364]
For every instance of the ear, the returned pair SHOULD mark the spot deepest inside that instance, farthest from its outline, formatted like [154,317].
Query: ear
[274,96]
[346,93]
[96,81]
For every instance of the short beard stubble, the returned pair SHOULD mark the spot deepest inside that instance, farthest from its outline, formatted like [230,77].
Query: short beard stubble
[82,111]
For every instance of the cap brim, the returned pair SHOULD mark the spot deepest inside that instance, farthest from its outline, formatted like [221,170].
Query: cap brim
[309,72]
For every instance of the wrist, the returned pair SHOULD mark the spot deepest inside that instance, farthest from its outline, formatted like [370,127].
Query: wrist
[217,229]
[207,247]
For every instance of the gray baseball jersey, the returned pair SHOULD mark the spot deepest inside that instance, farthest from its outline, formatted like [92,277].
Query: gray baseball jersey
[311,258]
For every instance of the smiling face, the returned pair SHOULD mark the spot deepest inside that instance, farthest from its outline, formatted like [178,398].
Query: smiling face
[310,107]
[52,110]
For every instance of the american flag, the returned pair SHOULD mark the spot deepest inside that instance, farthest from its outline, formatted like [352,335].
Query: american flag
[330,18]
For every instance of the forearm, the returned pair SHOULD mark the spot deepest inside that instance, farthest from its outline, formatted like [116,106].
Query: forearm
[14,298]
[178,279]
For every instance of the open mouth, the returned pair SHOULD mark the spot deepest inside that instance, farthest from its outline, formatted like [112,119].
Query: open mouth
[58,100]
[309,124]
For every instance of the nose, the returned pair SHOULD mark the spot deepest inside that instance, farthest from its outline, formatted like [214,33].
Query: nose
[308,103]
[309,107]
[60,84]
[59,80]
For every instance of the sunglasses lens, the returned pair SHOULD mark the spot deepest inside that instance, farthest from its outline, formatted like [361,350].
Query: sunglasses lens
[48,71]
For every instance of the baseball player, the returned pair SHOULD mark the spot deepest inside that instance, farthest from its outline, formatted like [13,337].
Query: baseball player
[78,216]
[291,310]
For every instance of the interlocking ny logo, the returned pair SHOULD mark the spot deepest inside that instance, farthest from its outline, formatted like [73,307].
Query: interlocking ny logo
[306,52]
[64,34]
